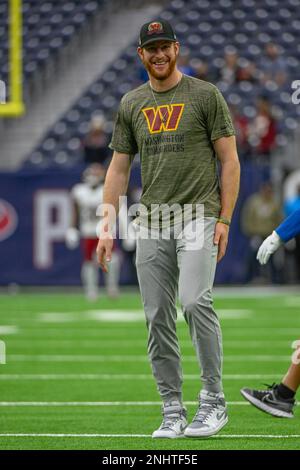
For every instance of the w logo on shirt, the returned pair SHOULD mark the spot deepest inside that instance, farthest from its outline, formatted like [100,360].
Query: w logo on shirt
[163,118]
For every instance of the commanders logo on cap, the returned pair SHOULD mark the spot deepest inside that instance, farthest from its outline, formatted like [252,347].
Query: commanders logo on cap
[155,27]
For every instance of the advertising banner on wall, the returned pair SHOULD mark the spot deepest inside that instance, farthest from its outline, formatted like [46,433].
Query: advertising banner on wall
[35,211]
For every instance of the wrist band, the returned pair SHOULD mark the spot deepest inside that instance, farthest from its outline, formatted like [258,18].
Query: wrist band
[222,220]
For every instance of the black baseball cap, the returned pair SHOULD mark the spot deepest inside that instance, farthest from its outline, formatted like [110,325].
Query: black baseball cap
[156,31]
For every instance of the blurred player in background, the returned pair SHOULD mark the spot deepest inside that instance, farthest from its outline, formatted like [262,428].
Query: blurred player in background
[86,197]
[279,400]
[260,215]
[95,145]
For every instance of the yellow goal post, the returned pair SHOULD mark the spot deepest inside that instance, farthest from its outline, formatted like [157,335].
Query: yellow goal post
[15,106]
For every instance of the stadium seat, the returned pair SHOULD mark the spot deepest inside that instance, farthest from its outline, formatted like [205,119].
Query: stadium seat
[52,22]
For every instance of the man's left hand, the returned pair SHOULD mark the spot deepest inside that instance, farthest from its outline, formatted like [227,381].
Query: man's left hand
[221,239]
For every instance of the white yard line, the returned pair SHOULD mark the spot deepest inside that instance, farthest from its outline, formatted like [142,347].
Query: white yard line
[292,302]
[5,404]
[232,314]
[244,292]
[219,436]
[132,358]
[44,334]
[127,316]
[77,358]
[246,344]
[102,342]
[8,330]
[100,403]
[255,344]
[125,376]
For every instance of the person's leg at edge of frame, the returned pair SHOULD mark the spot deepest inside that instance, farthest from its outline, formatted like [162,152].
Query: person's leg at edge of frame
[197,270]
[279,399]
[158,277]
[290,383]
[291,380]
[89,270]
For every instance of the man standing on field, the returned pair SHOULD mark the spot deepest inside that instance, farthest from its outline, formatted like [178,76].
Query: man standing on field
[180,126]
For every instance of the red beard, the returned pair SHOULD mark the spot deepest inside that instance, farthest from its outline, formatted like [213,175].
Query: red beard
[159,75]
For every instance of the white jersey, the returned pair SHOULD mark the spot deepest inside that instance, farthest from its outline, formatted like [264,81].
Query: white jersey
[87,199]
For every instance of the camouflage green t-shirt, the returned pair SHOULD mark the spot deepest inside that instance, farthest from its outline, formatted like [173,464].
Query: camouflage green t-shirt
[178,162]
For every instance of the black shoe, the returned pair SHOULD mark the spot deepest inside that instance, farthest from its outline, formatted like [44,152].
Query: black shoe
[268,401]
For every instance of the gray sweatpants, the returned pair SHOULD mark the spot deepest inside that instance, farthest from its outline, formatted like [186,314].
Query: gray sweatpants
[165,267]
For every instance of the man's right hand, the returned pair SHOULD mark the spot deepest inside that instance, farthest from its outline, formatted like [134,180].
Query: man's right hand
[104,249]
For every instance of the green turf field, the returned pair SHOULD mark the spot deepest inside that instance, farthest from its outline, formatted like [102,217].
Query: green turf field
[77,374]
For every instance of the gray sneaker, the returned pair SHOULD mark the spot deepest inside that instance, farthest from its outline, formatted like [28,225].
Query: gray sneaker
[269,401]
[210,417]
[174,421]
